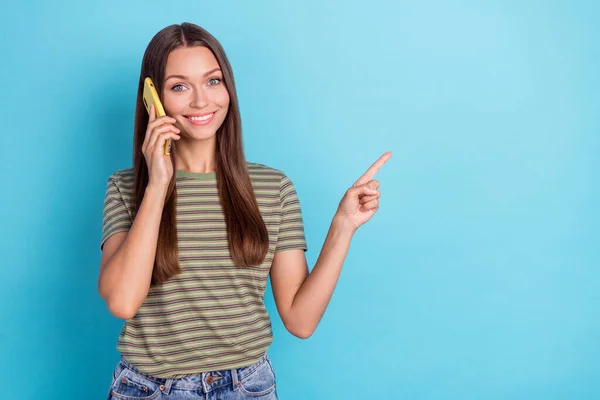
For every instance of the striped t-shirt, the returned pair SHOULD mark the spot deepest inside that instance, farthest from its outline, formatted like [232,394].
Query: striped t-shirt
[212,315]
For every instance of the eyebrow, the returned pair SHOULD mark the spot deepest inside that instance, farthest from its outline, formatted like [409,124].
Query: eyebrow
[185,78]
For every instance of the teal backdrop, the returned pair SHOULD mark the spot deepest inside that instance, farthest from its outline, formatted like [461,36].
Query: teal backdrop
[478,278]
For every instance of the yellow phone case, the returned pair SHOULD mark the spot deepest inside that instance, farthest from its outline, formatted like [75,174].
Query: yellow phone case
[150,97]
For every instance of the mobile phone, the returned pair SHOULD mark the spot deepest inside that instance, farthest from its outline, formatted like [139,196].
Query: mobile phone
[150,97]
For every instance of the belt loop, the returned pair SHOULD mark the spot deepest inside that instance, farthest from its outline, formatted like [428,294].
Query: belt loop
[120,367]
[234,379]
[166,388]
[204,385]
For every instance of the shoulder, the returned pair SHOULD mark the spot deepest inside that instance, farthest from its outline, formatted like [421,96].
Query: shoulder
[122,174]
[264,177]
[123,179]
[262,172]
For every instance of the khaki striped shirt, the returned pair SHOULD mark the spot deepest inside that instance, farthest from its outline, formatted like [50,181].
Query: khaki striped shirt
[211,316]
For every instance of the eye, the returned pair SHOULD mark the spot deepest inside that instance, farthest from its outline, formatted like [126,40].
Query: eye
[178,88]
[214,81]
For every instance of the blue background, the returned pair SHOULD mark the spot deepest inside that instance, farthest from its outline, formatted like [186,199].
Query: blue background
[477,279]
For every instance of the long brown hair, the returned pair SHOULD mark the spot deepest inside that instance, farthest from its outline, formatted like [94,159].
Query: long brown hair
[247,234]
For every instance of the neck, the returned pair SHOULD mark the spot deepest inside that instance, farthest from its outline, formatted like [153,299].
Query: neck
[196,155]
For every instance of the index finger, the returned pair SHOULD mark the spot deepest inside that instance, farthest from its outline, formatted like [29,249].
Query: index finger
[152,117]
[374,169]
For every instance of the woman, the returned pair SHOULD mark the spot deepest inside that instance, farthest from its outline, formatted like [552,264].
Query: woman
[189,239]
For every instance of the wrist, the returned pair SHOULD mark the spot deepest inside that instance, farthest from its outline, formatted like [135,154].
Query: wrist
[343,225]
[153,190]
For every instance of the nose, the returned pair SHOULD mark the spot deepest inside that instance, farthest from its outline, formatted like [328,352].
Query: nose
[199,99]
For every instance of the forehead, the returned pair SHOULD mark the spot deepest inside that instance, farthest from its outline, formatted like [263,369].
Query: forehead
[190,61]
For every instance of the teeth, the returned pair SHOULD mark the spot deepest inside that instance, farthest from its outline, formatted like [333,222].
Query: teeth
[205,118]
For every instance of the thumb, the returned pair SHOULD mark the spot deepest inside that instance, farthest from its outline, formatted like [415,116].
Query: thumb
[369,188]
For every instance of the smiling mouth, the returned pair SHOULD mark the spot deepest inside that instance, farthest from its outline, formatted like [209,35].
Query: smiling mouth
[200,119]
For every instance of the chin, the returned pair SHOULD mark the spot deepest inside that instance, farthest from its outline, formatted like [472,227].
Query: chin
[200,135]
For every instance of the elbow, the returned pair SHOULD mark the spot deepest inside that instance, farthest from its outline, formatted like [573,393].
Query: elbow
[303,334]
[120,309]
[300,332]
[122,313]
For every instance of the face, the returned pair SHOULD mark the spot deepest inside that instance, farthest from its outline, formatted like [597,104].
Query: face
[194,93]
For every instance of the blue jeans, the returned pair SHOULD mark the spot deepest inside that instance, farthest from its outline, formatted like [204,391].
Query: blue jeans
[256,381]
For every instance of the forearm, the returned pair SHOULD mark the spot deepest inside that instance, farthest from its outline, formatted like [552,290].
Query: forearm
[125,280]
[312,298]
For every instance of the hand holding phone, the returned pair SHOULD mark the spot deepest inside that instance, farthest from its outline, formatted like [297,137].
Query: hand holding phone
[150,98]
[160,131]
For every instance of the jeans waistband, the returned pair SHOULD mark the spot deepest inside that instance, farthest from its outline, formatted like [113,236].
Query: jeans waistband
[206,381]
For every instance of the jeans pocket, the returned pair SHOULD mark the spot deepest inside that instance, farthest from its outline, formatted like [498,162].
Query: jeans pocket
[129,385]
[260,382]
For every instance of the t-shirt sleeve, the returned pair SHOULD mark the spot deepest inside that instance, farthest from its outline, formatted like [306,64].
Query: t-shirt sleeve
[116,217]
[291,230]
